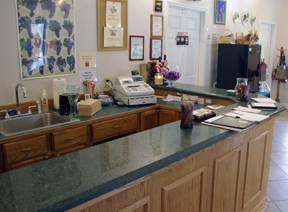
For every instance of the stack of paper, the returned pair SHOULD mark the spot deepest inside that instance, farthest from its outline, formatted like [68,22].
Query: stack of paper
[264,100]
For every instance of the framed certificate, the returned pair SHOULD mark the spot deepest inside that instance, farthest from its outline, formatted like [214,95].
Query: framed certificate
[156,25]
[136,48]
[155,48]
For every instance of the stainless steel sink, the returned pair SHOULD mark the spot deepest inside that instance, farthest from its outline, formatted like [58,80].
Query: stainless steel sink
[28,123]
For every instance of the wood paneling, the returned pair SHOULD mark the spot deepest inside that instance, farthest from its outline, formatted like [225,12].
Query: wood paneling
[25,149]
[224,102]
[184,194]
[167,116]
[226,178]
[149,119]
[255,167]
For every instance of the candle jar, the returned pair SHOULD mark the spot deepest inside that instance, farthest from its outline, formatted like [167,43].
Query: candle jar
[186,114]
[158,79]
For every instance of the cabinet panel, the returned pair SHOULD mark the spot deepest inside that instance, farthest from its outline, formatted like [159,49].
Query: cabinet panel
[115,127]
[25,149]
[69,138]
[185,194]
[167,116]
[255,167]
[26,162]
[149,119]
[69,150]
[226,178]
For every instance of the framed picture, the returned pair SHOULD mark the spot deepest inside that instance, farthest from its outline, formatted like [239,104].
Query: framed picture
[46,38]
[156,25]
[155,48]
[136,47]
[220,11]
[158,5]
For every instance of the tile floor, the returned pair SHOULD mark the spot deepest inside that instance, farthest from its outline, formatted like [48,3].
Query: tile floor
[277,191]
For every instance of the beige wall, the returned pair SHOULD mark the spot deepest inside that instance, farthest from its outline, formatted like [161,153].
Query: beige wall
[115,63]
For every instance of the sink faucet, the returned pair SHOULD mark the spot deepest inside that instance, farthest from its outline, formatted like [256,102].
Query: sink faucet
[17,99]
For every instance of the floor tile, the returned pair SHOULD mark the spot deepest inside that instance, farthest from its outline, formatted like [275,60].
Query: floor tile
[278,190]
[279,158]
[272,207]
[278,147]
[268,199]
[282,205]
[284,168]
[276,173]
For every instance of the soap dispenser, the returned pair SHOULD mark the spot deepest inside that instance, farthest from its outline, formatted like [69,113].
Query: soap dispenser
[45,107]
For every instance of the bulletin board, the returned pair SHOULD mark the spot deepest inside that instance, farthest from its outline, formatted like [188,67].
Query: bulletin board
[101,23]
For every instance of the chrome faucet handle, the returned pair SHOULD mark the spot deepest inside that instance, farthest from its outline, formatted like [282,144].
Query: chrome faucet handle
[29,109]
[6,115]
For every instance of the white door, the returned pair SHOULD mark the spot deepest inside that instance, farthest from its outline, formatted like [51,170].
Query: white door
[265,40]
[180,19]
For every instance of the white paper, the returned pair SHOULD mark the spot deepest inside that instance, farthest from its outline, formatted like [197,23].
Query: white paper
[157,26]
[156,48]
[113,14]
[262,100]
[213,119]
[247,116]
[113,37]
[87,60]
[246,109]
[87,74]
[137,48]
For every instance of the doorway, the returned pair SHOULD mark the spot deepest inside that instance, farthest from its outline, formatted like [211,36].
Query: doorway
[267,42]
[191,20]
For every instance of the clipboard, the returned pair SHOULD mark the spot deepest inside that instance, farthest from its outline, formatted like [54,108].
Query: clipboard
[229,122]
[263,106]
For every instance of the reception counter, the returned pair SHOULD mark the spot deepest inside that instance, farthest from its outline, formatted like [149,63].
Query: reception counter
[165,168]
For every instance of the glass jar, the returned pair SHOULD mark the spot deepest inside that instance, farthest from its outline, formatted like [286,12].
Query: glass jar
[186,114]
[242,89]
[158,79]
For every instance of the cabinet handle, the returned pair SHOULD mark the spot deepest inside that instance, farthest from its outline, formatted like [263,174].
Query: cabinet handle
[117,126]
[71,138]
[58,155]
[158,111]
[47,157]
[25,150]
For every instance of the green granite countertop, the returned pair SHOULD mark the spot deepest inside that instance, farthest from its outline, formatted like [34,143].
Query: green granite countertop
[62,183]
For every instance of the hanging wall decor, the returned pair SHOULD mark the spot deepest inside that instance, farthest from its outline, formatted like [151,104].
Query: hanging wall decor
[220,11]
[46,38]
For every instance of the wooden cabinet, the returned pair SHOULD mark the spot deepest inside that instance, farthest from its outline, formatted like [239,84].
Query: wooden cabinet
[25,152]
[70,137]
[167,116]
[114,127]
[149,119]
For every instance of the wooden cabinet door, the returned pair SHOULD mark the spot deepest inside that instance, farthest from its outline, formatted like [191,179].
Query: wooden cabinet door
[167,116]
[131,198]
[149,119]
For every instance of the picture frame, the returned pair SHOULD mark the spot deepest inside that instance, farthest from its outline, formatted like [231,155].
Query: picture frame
[220,11]
[158,5]
[155,48]
[136,48]
[156,25]
[101,25]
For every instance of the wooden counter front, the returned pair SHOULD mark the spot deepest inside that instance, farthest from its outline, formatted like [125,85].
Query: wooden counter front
[231,175]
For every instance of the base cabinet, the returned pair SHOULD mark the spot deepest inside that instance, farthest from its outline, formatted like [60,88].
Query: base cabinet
[231,175]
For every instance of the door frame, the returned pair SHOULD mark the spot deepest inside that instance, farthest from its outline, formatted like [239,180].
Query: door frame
[202,37]
[272,50]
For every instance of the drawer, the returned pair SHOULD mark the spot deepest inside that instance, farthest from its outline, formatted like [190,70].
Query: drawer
[25,149]
[115,127]
[69,150]
[69,138]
